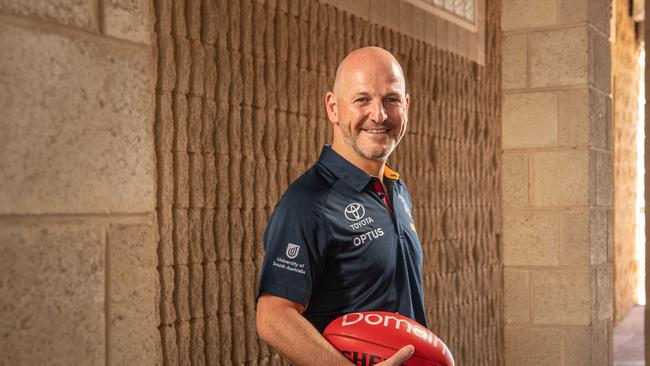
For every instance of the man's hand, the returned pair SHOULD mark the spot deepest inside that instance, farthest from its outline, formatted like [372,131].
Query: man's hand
[399,357]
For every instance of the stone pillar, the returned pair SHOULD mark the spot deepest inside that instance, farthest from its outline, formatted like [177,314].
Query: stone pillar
[557,182]
[78,279]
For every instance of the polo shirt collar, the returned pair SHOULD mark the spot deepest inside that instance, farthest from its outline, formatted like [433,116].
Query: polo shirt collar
[348,172]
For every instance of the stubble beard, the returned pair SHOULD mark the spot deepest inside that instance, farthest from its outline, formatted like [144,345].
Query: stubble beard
[353,141]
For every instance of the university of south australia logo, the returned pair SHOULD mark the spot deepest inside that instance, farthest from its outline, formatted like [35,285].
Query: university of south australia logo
[292,250]
[354,211]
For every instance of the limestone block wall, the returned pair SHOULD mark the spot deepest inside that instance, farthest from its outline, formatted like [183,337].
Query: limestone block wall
[239,115]
[626,74]
[78,278]
[557,182]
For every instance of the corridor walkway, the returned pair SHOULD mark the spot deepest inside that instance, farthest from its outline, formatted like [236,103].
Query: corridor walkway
[628,339]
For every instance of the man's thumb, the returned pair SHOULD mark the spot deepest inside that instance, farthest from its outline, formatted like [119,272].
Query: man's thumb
[400,356]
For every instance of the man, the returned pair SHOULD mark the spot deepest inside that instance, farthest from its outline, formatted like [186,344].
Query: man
[342,238]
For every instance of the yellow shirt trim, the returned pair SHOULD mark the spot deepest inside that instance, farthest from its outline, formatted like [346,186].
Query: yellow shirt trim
[390,173]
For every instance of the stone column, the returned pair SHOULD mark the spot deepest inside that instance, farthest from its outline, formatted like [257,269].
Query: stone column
[78,279]
[557,182]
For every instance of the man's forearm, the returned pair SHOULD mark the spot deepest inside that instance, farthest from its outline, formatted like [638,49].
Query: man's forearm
[289,333]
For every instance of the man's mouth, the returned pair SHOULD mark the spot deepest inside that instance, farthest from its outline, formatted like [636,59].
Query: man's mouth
[377,131]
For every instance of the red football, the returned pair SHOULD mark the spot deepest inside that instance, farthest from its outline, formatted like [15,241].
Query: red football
[370,337]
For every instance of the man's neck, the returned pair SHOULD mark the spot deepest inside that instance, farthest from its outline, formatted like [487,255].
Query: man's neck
[374,168]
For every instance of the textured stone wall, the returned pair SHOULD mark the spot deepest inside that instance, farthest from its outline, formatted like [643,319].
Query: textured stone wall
[625,92]
[239,115]
[557,182]
[78,279]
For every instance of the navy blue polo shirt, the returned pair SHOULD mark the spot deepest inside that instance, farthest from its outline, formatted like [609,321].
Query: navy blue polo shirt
[333,245]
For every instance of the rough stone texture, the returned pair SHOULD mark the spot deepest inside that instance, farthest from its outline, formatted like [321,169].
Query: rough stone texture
[560,178]
[560,296]
[559,57]
[514,66]
[530,120]
[522,14]
[77,118]
[516,283]
[626,71]
[533,345]
[264,84]
[129,20]
[515,179]
[76,13]
[52,294]
[575,238]
[530,237]
[133,283]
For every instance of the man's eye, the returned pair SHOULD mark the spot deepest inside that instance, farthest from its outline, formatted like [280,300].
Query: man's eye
[393,100]
[361,100]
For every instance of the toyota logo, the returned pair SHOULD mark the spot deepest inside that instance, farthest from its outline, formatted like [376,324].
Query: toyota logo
[354,211]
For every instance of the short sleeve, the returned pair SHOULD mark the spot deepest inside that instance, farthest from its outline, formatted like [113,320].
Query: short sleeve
[295,243]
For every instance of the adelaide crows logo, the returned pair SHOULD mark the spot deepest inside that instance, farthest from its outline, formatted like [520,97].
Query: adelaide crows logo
[292,250]
[354,211]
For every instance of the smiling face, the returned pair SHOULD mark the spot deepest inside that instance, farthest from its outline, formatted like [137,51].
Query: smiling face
[368,106]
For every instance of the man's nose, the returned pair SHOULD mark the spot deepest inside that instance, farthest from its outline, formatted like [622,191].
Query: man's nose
[378,112]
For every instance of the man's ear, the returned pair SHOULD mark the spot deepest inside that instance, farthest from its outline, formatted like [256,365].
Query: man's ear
[331,105]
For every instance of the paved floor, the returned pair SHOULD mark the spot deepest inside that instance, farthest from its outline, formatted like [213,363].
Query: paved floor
[628,339]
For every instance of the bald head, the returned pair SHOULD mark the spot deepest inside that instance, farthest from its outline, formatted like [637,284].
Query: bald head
[367,60]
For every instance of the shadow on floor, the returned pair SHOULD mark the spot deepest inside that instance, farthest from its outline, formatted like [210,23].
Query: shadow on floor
[628,339]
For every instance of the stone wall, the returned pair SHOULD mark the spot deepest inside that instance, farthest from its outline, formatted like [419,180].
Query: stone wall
[625,92]
[78,279]
[557,182]
[239,115]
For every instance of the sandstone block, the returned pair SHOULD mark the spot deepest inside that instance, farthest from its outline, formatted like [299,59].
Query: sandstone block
[605,288]
[184,339]
[573,11]
[575,238]
[599,229]
[197,342]
[514,66]
[211,295]
[166,63]
[514,179]
[601,343]
[576,346]
[195,229]
[169,345]
[530,237]
[529,345]
[600,12]
[574,112]
[82,14]
[182,292]
[166,232]
[560,296]
[197,197]
[517,294]
[560,178]
[196,290]
[212,340]
[207,233]
[52,294]
[600,62]
[530,120]
[604,189]
[523,14]
[181,236]
[167,310]
[134,287]
[131,20]
[600,119]
[559,57]
[93,152]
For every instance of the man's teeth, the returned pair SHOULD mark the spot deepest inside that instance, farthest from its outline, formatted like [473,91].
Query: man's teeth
[377,131]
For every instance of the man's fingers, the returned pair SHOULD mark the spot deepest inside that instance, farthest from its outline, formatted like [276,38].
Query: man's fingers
[399,357]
